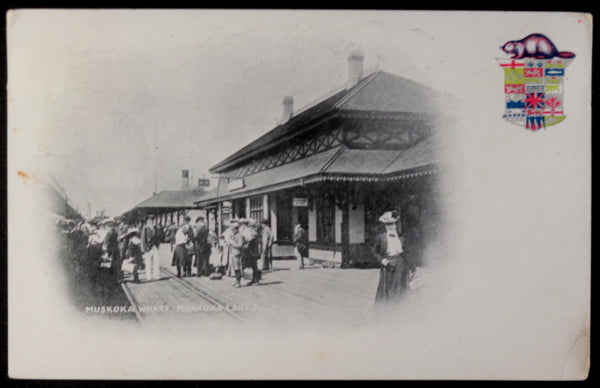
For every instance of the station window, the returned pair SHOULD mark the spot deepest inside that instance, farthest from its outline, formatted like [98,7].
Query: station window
[256,207]
[325,221]
[226,216]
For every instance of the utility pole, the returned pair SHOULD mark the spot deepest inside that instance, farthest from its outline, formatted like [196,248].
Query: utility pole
[155,159]
[155,166]
[191,157]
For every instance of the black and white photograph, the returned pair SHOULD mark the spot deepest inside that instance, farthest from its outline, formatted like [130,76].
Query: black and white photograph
[212,194]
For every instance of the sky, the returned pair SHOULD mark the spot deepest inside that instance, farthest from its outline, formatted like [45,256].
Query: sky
[122,101]
[115,103]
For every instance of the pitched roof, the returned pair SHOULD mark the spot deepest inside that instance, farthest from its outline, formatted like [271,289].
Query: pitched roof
[387,92]
[338,163]
[179,199]
[379,91]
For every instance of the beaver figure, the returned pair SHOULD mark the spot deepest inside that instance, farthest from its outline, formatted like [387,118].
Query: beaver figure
[534,46]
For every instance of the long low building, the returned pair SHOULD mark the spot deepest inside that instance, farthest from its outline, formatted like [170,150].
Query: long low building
[169,206]
[336,166]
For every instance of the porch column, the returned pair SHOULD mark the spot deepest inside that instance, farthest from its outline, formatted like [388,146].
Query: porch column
[274,216]
[345,229]
[219,218]
[312,220]
[266,206]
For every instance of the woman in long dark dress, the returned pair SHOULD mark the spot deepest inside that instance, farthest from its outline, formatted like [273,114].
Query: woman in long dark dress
[394,269]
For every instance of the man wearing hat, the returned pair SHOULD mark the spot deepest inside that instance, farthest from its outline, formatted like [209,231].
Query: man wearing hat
[122,237]
[183,252]
[394,269]
[189,246]
[202,247]
[150,242]
[235,242]
[111,247]
[251,250]
[266,249]
[170,232]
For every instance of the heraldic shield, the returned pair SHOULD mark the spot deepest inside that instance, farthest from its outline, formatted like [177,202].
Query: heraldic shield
[533,91]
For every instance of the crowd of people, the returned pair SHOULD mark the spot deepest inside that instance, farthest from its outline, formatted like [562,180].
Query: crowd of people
[122,248]
[104,243]
[245,243]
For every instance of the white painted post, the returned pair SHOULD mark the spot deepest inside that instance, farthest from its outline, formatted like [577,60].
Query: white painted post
[274,216]
[266,206]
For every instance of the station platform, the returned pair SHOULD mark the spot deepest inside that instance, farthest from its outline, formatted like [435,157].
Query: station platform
[285,297]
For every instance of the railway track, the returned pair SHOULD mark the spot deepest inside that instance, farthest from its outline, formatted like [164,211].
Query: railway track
[216,302]
[133,302]
[203,294]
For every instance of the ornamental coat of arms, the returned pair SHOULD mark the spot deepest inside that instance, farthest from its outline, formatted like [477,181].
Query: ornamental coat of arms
[534,81]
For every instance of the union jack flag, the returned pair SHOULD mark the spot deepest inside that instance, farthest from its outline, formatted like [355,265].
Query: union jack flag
[534,101]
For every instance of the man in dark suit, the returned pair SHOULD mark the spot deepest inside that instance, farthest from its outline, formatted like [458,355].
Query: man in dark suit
[266,248]
[188,230]
[202,247]
[251,250]
[170,232]
[122,237]
[111,246]
[388,249]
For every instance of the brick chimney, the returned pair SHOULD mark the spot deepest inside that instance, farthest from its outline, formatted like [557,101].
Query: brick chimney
[355,67]
[185,179]
[288,108]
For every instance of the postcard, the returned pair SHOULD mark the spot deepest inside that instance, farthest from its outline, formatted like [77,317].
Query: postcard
[210,194]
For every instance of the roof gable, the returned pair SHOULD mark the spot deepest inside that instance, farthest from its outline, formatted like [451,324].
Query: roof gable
[270,138]
[172,199]
[379,91]
[390,93]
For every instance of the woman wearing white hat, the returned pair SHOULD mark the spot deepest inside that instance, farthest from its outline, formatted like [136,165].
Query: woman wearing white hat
[394,270]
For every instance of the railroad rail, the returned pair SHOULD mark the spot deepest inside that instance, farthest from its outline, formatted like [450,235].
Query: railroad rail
[221,306]
[203,294]
[133,302]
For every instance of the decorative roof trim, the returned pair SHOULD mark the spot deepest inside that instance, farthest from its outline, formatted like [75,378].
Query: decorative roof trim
[218,168]
[323,176]
[336,110]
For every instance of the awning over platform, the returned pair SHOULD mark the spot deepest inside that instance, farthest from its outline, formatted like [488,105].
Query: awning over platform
[337,164]
[167,201]
[172,199]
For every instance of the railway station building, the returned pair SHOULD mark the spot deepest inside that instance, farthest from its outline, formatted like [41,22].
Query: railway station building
[336,166]
[170,206]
